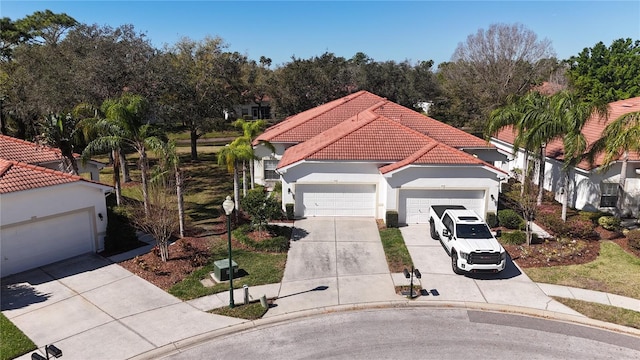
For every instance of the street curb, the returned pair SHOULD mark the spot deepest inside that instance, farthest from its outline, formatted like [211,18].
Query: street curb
[177,346]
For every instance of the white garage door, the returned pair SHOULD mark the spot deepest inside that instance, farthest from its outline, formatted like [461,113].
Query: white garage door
[416,203]
[335,200]
[42,242]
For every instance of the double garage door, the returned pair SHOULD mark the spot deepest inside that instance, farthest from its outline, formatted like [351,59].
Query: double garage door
[335,200]
[416,203]
[45,241]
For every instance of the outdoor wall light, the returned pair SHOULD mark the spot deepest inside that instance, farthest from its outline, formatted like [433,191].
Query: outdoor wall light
[48,350]
[100,216]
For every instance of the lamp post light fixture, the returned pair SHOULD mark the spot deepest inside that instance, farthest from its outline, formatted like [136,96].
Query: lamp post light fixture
[228,206]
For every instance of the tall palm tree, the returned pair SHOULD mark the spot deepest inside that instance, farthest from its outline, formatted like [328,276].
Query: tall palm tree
[232,155]
[619,138]
[250,129]
[125,125]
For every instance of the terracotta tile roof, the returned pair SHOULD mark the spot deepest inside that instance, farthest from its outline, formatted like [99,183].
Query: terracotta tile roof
[592,131]
[19,176]
[372,137]
[27,152]
[304,126]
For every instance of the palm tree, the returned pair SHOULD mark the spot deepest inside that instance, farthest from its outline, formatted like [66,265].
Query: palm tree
[250,130]
[60,131]
[124,125]
[619,138]
[232,155]
[570,114]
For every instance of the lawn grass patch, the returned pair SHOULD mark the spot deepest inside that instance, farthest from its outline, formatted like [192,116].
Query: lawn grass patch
[256,269]
[614,271]
[602,312]
[251,311]
[14,342]
[395,250]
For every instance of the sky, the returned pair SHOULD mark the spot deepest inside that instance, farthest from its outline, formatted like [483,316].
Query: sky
[383,30]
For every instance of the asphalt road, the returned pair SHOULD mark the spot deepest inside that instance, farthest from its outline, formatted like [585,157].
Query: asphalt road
[418,333]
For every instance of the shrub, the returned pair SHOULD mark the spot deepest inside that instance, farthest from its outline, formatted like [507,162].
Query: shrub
[121,235]
[261,207]
[289,210]
[634,239]
[392,219]
[611,223]
[514,237]
[492,219]
[509,219]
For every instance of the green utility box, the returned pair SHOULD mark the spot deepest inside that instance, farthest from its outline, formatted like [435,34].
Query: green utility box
[221,269]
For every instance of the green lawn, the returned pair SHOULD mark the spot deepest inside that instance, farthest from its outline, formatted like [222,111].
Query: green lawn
[614,271]
[396,252]
[13,342]
[259,269]
[610,314]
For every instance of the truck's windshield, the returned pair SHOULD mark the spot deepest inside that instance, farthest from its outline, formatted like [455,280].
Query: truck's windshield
[473,231]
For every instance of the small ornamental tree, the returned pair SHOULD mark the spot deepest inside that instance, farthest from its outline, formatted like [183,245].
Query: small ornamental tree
[261,207]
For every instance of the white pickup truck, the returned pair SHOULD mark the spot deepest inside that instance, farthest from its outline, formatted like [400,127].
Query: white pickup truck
[467,239]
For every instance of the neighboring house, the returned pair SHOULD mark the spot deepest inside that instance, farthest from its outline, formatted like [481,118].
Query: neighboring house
[362,155]
[47,215]
[252,111]
[590,188]
[45,156]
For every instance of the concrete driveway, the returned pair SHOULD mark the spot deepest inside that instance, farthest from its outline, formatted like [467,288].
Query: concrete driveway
[509,287]
[334,261]
[91,308]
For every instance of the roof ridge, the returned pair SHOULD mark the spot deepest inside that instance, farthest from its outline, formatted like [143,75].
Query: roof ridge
[331,105]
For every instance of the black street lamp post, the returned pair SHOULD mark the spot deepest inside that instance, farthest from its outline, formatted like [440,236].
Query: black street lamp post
[228,206]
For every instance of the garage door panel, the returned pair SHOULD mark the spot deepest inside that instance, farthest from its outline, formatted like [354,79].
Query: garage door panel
[46,241]
[335,200]
[414,204]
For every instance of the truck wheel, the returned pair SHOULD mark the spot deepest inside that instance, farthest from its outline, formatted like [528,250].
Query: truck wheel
[454,262]
[432,228]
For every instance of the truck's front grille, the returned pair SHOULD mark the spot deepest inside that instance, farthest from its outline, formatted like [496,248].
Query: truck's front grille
[484,258]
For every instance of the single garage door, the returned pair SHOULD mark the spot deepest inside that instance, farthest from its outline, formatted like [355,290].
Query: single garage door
[416,203]
[335,200]
[46,241]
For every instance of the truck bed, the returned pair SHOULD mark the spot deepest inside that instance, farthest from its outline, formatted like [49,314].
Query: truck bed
[440,209]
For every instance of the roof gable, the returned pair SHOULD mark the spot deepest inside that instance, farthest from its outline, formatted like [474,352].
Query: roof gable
[20,176]
[372,137]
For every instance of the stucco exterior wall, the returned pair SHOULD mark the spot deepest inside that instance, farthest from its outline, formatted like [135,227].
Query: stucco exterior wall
[22,207]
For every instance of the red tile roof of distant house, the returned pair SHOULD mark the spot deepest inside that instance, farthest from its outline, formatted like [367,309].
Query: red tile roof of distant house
[592,131]
[19,176]
[369,136]
[27,152]
[303,126]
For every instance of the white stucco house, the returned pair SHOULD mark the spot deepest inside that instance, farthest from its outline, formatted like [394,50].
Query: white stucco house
[362,155]
[590,188]
[47,215]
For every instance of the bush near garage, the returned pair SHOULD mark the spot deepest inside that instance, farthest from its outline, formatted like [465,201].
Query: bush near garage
[392,219]
[611,223]
[492,219]
[580,227]
[510,219]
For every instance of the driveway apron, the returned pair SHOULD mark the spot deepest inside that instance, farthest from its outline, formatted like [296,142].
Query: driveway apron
[334,261]
[91,308]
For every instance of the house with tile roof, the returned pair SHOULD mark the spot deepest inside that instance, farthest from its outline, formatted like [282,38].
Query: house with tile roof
[45,156]
[47,215]
[591,187]
[363,155]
